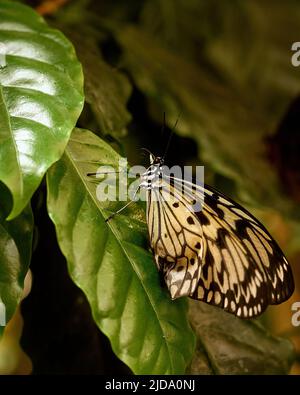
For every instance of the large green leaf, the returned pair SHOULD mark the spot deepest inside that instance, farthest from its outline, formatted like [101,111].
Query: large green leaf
[40,99]
[111,264]
[230,345]
[15,254]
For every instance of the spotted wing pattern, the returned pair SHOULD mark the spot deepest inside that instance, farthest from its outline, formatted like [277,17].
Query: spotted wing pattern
[221,254]
[175,235]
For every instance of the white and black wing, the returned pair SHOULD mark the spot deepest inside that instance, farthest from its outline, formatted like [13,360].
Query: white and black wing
[221,255]
[243,269]
[175,241]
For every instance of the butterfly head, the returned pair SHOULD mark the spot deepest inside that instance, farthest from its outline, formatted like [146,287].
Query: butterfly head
[156,160]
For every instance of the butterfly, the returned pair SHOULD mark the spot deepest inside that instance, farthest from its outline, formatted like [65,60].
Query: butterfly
[221,254]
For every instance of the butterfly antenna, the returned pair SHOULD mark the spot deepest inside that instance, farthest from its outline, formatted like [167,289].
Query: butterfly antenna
[148,151]
[170,137]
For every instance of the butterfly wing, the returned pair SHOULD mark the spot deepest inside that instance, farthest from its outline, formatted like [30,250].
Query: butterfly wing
[175,239]
[244,270]
[237,266]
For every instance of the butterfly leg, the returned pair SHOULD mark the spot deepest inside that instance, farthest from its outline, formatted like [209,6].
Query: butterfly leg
[126,205]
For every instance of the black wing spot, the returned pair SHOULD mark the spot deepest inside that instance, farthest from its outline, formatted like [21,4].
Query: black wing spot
[221,238]
[241,227]
[213,204]
[171,181]
[190,221]
[203,218]
[198,246]
[161,260]
[175,204]
[192,260]
[180,268]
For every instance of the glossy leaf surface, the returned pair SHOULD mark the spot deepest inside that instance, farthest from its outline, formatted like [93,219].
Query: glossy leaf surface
[41,98]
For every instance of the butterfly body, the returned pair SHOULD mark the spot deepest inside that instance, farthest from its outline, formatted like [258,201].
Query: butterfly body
[220,254]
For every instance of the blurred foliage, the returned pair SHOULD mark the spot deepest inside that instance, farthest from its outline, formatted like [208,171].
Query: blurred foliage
[232,96]
[224,68]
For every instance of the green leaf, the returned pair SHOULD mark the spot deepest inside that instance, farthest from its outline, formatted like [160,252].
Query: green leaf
[234,346]
[40,99]
[15,254]
[111,264]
